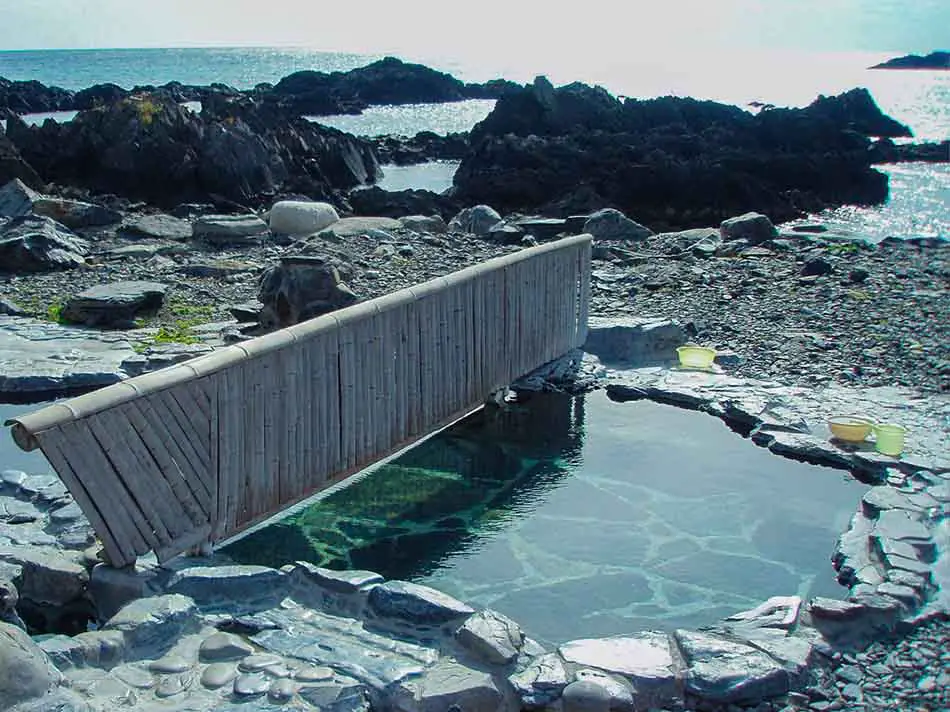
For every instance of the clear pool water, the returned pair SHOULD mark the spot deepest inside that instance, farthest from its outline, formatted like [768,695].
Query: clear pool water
[578,517]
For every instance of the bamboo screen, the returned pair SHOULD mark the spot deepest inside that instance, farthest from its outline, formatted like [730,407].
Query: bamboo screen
[201,450]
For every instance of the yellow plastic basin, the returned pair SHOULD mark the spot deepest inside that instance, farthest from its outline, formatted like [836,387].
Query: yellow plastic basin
[696,356]
[850,428]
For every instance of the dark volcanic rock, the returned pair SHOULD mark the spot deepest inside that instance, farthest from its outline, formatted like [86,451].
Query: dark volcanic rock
[672,162]
[98,95]
[148,147]
[424,146]
[387,81]
[395,204]
[38,244]
[886,151]
[13,166]
[30,97]
[934,60]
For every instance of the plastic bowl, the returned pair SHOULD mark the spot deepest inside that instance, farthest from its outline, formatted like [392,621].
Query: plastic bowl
[850,428]
[696,356]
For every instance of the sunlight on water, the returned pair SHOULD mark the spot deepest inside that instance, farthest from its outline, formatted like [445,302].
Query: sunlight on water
[410,119]
[435,176]
[919,205]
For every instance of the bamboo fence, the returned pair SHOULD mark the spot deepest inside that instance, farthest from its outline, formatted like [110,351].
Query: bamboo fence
[202,450]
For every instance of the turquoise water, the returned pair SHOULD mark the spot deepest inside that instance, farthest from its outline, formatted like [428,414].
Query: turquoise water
[579,516]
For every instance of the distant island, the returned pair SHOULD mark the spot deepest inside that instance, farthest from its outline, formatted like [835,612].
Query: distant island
[934,60]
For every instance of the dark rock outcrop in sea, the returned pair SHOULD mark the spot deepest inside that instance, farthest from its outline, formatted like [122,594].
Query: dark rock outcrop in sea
[30,97]
[886,151]
[672,162]
[423,147]
[934,60]
[388,81]
[148,147]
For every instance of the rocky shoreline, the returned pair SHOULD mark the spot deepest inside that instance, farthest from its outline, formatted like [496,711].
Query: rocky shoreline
[96,286]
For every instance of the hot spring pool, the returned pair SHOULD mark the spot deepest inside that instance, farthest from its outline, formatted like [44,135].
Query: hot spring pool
[578,517]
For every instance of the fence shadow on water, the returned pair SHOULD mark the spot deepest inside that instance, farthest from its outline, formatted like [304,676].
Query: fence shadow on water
[436,500]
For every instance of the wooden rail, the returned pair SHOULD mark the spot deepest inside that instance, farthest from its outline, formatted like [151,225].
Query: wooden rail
[200,451]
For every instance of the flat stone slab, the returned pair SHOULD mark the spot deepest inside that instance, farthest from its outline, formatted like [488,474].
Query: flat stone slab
[726,672]
[349,227]
[646,659]
[415,604]
[159,226]
[40,360]
[114,305]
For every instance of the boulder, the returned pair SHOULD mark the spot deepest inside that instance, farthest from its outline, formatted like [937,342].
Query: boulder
[8,308]
[157,226]
[295,217]
[300,288]
[415,604]
[492,637]
[12,164]
[725,672]
[432,224]
[477,220]
[114,305]
[396,203]
[424,147]
[752,227]
[448,686]
[610,224]
[75,213]
[17,199]
[229,229]
[9,597]
[39,244]
[25,671]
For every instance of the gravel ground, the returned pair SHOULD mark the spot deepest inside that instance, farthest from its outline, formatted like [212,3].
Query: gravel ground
[869,317]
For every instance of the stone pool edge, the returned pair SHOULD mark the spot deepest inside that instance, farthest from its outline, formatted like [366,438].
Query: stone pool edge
[351,641]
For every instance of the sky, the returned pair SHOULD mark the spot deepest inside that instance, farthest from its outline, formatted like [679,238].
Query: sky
[483,27]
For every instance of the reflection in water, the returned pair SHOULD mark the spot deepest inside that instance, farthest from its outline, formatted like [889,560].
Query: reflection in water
[578,517]
[405,519]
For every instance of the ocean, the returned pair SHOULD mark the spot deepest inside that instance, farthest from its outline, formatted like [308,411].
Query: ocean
[920,194]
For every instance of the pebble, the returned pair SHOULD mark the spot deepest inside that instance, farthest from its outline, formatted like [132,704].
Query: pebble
[218,675]
[224,646]
[170,664]
[313,674]
[281,690]
[251,684]
[254,663]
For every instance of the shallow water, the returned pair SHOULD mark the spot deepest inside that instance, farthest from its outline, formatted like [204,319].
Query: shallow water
[410,119]
[580,517]
[11,456]
[435,176]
